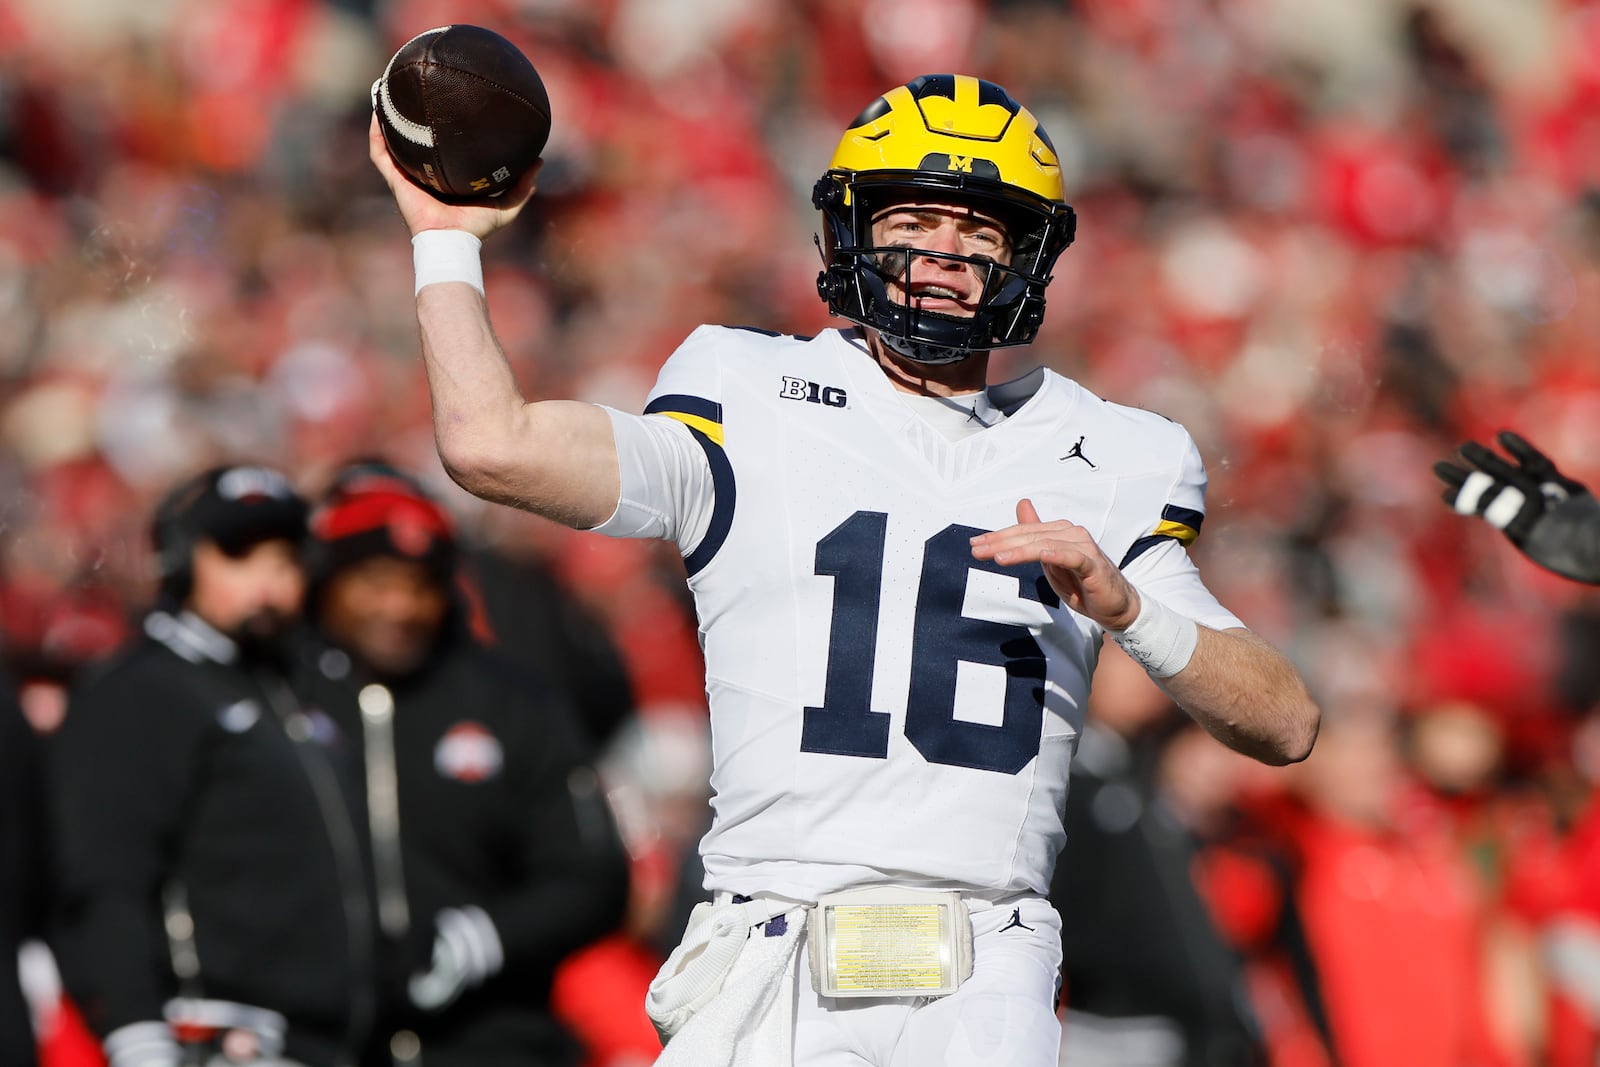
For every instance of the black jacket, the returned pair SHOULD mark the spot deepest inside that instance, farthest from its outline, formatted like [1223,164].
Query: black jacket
[22,875]
[1137,937]
[537,623]
[495,811]
[179,778]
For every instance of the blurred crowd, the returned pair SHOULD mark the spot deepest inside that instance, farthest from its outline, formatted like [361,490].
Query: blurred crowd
[1333,238]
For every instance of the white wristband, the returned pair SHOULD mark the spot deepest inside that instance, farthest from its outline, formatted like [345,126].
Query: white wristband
[1159,640]
[447,256]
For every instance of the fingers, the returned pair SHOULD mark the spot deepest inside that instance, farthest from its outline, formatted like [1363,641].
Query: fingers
[1478,491]
[1490,463]
[1451,475]
[1028,524]
[1471,490]
[1062,554]
[1085,579]
[1001,543]
[1524,453]
[522,192]
[1059,543]
[378,149]
[1507,497]
[393,176]
[1454,478]
[1539,467]
[423,210]
[1532,469]
[1033,540]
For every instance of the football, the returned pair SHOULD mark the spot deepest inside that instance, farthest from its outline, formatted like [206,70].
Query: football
[463,112]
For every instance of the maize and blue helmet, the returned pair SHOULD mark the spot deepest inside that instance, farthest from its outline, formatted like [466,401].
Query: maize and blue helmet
[943,137]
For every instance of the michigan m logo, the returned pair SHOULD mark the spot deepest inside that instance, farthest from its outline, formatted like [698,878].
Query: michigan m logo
[976,166]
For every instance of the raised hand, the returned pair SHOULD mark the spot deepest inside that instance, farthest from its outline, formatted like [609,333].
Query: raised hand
[1552,519]
[424,211]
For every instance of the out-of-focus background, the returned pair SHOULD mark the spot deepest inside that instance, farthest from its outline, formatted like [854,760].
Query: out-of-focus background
[1334,238]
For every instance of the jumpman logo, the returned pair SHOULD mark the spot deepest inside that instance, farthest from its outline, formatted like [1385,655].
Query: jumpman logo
[1076,452]
[1016,920]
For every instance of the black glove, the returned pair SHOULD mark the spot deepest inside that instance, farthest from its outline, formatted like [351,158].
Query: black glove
[1552,519]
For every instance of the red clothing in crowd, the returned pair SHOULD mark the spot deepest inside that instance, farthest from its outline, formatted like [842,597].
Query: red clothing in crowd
[1246,884]
[1554,886]
[1395,923]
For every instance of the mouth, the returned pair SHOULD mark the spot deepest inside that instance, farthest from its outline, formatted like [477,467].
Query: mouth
[931,297]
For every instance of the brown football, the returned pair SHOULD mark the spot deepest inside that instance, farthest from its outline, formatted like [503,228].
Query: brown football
[463,112]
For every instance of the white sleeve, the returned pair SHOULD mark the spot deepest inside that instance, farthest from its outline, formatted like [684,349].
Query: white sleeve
[667,489]
[1166,573]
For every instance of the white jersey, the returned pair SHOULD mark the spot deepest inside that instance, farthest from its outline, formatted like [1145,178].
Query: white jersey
[885,707]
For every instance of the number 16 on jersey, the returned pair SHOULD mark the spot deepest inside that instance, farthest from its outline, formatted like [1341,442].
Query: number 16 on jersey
[943,638]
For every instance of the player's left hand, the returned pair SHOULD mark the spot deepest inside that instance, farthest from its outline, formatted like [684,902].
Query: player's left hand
[1081,574]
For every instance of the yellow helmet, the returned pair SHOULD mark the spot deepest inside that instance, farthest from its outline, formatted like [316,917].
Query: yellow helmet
[955,137]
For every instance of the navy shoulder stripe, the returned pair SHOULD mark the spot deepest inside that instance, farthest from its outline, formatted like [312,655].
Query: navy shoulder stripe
[704,420]
[1188,516]
[1141,546]
[684,404]
[722,483]
[1177,524]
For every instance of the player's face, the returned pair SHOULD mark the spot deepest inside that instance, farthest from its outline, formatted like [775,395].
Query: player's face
[250,596]
[385,611]
[938,230]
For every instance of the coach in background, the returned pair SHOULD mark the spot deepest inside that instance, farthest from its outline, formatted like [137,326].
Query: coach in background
[494,852]
[211,894]
[1550,518]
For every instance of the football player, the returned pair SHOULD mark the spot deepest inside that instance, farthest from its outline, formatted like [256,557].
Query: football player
[1552,519]
[903,576]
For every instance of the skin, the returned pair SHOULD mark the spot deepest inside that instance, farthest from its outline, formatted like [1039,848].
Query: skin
[937,226]
[386,612]
[557,458]
[254,595]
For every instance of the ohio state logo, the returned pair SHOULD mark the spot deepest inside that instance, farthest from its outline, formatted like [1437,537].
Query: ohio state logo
[468,752]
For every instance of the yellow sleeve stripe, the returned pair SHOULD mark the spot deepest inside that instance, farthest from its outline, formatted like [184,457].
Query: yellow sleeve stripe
[713,430]
[1181,532]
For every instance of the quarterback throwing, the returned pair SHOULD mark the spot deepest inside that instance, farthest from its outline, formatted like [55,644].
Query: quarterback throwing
[900,631]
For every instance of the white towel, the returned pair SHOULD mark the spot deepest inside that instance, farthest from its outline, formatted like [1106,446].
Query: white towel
[742,1014]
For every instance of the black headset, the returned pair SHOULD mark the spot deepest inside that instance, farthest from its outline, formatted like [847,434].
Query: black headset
[173,536]
[174,531]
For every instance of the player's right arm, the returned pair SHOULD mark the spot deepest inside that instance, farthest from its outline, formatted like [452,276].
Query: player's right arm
[555,458]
